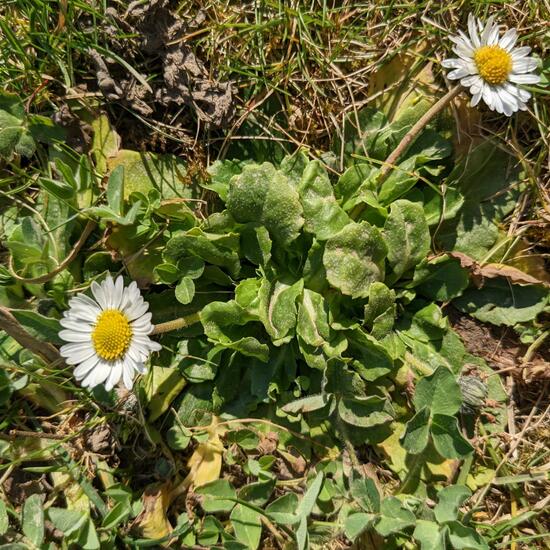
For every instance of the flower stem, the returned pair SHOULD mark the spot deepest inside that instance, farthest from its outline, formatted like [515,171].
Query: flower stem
[390,163]
[177,324]
[411,135]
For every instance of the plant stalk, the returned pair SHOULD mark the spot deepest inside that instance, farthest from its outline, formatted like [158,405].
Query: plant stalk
[176,324]
[390,163]
[412,134]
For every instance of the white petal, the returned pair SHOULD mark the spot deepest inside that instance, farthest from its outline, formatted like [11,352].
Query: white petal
[472,30]
[100,373]
[466,42]
[524,78]
[133,292]
[136,310]
[114,376]
[458,73]
[463,53]
[79,326]
[67,349]
[471,80]
[497,102]
[83,313]
[85,301]
[463,44]
[137,353]
[524,65]
[453,63]
[488,96]
[509,101]
[74,336]
[78,357]
[118,292]
[508,39]
[128,373]
[109,291]
[154,346]
[85,367]
[493,37]
[143,321]
[140,367]
[488,30]
[518,53]
[475,98]
[99,295]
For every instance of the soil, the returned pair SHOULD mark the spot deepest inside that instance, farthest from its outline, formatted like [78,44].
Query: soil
[183,94]
[500,347]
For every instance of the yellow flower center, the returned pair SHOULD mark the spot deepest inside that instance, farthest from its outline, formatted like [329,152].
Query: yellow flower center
[493,63]
[112,334]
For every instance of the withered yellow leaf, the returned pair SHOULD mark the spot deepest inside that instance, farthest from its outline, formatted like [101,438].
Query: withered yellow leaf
[152,523]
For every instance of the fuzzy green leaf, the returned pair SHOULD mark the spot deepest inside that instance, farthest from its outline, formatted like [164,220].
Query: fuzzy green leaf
[263,194]
[357,523]
[220,250]
[407,236]
[277,308]
[441,279]
[380,310]
[313,325]
[15,138]
[429,535]
[283,510]
[501,303]
[366,494]
[215,496]
[4,519]
[33,519]
[323,216]
[185,290]
[354,258]
[465,538]
[364,413]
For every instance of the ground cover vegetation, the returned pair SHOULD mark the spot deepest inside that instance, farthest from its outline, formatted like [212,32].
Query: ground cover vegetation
[350,345]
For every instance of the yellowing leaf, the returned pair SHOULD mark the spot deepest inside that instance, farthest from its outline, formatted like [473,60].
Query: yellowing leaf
[206,462]
[105,144]
[152,523]
[163,385]
[404,93]
[146,171]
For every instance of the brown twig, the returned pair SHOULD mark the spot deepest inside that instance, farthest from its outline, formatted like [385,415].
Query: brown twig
[38,435]
[72,255]
[390,163]
[412,134]
[13,328]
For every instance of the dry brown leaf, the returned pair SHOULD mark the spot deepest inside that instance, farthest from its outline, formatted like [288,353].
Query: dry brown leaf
[494,270]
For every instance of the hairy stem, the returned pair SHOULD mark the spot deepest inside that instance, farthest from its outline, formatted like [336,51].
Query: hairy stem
[177,324]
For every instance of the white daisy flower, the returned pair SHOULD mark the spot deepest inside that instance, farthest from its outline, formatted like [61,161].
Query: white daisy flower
[492,67]
[109,336]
